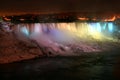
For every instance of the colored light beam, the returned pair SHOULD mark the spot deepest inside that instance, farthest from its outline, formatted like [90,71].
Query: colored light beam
[98,27]
[110,27]
[97,30]
[25,31]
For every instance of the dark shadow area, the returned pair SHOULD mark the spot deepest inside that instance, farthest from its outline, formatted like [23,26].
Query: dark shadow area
[88,66]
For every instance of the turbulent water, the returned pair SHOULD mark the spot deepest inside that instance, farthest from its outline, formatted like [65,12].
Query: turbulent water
[56,35]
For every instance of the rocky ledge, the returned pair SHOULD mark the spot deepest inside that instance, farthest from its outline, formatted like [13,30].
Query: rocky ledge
[12,49]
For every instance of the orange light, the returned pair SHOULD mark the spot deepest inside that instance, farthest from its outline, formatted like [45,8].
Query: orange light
[112,19]
[22,19]
[83,19]
[7,19]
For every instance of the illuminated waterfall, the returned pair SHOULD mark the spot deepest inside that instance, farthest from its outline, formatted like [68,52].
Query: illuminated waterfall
[74,37]
[98,30]
[24,30]
[110,27]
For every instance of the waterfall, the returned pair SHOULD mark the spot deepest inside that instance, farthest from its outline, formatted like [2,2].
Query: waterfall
[57,36]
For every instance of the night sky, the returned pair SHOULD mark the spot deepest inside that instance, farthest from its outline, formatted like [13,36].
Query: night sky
[46,6]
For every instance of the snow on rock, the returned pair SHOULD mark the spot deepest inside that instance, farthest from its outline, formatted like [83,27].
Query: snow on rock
[13,49]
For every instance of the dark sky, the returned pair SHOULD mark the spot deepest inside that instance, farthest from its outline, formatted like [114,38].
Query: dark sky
[13,6]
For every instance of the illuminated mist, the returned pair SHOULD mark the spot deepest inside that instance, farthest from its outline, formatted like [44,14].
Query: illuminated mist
[58,34]
[65,31]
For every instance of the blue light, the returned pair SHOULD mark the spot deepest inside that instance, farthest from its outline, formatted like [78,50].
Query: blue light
[110,27]
[98,27]
[24,30]
[104,26]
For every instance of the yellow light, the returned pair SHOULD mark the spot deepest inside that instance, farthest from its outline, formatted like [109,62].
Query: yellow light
[88,31]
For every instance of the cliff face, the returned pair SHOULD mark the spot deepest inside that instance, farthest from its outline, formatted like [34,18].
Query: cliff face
[13,49]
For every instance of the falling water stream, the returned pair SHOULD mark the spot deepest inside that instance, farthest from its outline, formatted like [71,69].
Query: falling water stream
[58,34]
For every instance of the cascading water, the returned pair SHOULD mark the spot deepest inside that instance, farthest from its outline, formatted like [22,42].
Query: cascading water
[55,35]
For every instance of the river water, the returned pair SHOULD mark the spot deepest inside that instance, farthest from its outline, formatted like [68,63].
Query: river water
[102,66]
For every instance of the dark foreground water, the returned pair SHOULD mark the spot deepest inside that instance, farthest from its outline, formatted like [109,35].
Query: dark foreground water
[95,66]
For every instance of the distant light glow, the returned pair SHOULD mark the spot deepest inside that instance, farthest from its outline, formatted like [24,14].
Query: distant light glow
[82,18]
[111,19]
[22,19]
